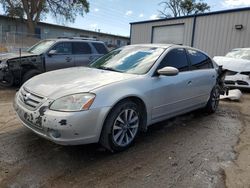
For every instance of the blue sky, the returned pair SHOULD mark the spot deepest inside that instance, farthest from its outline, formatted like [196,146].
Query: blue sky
[114,16]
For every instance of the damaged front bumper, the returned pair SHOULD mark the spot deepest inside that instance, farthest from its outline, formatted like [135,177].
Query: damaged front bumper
[6,77]
[238,81]
[64,128]
[3,70]
[2,74]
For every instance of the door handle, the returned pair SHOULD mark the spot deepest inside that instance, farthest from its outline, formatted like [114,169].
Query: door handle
[189,83]
[68,59]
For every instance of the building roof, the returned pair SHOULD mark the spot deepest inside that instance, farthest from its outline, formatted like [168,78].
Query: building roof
[72,28]
[194,15]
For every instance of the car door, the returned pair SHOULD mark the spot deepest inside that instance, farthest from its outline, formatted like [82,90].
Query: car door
[60,58]
[204,76]
[172,95]
[82,52]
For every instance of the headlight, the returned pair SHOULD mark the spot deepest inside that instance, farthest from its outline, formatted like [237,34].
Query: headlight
[3,65]
[76,102]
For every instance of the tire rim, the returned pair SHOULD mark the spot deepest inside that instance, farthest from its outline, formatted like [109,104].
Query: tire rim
[215,99]
[125,127]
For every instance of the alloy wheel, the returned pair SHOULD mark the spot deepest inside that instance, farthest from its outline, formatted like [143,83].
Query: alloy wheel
[125,127]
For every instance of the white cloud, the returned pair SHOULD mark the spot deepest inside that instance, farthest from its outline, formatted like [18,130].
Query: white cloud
[96,9]
[93,26]
[129,13]
[141,15]
[235,3]
[153,17]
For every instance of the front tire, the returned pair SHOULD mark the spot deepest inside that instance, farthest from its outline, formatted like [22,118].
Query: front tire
[213,101]
[8,81]
[121,126]
[29,75]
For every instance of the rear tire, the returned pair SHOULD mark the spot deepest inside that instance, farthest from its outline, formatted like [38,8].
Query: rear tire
[29,75]
[121,126]
[213,101]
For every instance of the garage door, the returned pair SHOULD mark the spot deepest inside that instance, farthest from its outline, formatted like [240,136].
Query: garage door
[168,34]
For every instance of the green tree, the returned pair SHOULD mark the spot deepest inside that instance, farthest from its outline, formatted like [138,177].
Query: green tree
[177,8]
[35,10]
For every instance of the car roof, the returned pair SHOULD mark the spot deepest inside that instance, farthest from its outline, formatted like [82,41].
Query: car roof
[76,40]
[165,46]
[153,45]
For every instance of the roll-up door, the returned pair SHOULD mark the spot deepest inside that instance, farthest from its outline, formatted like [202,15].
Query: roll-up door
[173,34]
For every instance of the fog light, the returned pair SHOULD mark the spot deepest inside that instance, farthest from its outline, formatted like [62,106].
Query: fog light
[54,133]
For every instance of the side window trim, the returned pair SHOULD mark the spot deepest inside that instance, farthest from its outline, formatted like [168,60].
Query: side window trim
[188,60]
[93,44]
[208,60]
[90,47]
[58,44]
[184,49]
[94,51]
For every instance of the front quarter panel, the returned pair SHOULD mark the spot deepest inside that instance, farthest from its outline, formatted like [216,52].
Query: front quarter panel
[110,95]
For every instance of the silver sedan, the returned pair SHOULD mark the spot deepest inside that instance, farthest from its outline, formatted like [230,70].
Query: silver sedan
[118,95]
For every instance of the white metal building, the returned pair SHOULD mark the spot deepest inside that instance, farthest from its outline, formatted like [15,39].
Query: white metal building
[215,33]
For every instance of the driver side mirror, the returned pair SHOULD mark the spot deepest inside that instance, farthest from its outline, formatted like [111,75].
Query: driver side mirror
[51,52]
[168,71]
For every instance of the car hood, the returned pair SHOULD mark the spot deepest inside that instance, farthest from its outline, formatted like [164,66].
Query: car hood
[56,84]
[233,64]
[7,56]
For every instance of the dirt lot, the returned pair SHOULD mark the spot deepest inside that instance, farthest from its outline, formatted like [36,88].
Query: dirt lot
[194,150]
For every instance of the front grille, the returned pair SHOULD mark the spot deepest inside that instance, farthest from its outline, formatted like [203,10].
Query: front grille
[230,73]
[229,82]
[240,82]
[246,73]
[30,100]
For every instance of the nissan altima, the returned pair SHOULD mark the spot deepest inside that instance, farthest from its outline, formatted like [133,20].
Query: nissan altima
[118,95]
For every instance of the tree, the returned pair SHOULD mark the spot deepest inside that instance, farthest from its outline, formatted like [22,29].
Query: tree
[182,8]
[35,10]
[201,7]
[173,6]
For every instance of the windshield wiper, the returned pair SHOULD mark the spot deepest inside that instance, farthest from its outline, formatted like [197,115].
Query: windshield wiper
[108,68]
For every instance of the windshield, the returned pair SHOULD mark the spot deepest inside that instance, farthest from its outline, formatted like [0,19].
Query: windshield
[240,54]
[41,47]
[130,59]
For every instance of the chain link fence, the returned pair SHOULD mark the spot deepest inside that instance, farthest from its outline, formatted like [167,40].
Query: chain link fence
[14,41]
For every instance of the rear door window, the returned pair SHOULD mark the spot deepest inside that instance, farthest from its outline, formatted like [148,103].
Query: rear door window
[176,58]
[199,60]
[81,48]
[100,48]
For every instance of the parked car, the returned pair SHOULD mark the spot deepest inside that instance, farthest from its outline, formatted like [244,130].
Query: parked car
[49,55]
[237,62]
[118,95]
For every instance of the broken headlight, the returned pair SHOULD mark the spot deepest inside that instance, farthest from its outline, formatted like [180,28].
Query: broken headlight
[75,102]
[3,65]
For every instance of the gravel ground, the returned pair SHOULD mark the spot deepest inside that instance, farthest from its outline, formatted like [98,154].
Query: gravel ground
[194,150]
